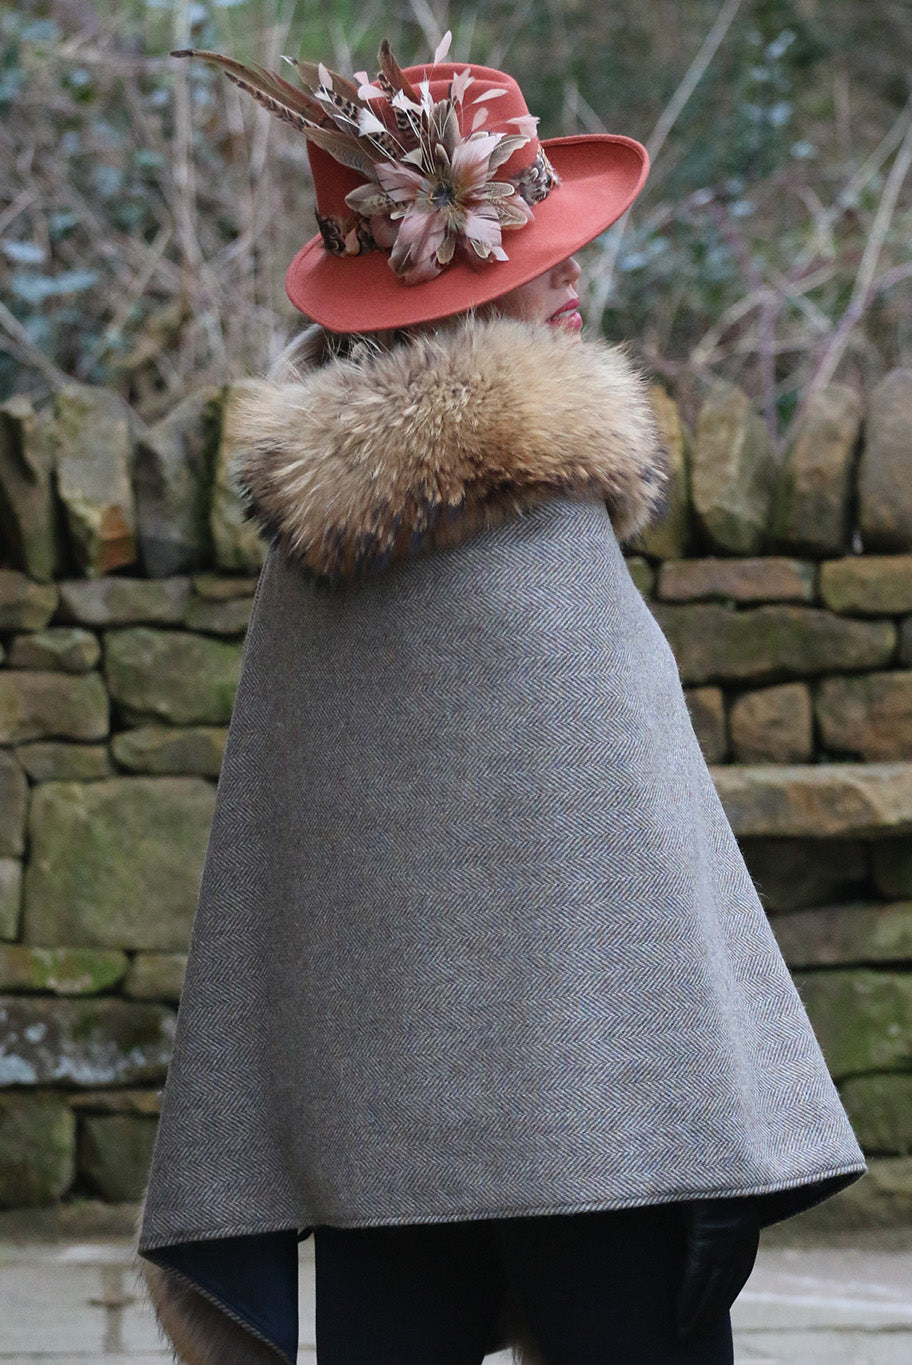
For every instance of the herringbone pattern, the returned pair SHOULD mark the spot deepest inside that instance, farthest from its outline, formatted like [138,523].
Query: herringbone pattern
[474,936]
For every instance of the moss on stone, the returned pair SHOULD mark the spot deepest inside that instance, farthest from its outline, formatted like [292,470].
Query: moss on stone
[73,1042]
[41,705]
[171,676]
[10,897]
[116,863]
[114,1154]
[37,1149]
[24,604]
[61,971]
[67,648]
[862,1018]
[880,1108]
[772,643]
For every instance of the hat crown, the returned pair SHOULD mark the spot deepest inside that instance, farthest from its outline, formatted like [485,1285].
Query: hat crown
[482,97]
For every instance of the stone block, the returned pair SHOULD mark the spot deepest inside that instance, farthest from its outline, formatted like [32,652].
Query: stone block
[846,935]
[37,1149]
[733,473]
[116,1102]
[880,1109]
[214,587]
[83,1042]
[707,715]
[712,642]
[10,896]
[884,485]
[812,511]
[164,749]
[60,971]
[56,761]
[52,705]
[93,452]
[869,716]
[25,605]
[116,863]
[862,1018]
[173,481]
[640,570]
[67,649]
[156,976]
[891,866]
[737,580]
[171,676]
[115,1152]
[816,801]
[28,514]
[882,1200]
[124,601]
[237,545]
[905,642]
[669,537]
[77,1219]
[790,873]
[231,618]
[13,802]
[868,585]
[773,725]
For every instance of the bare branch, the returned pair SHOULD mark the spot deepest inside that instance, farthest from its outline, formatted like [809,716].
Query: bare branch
[864,279]
[666,121]
[28,351]
[428,22]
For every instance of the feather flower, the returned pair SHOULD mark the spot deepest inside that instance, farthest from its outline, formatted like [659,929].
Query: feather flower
[449,198]
[429,189]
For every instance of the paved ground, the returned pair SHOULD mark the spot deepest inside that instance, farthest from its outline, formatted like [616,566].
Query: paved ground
[72,1302]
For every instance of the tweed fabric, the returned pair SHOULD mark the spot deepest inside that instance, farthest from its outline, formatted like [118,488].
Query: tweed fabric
[474,936]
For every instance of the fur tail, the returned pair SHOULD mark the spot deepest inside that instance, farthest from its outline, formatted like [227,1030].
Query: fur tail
[197,1331]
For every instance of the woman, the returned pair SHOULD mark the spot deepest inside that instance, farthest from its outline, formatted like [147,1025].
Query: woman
[480,989]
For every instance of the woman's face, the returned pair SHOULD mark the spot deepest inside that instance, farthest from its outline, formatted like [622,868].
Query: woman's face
[550,299]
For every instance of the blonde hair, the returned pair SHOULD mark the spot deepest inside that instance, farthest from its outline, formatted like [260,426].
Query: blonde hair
[315,345]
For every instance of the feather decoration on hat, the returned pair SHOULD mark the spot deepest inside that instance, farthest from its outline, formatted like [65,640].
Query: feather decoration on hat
[430,189]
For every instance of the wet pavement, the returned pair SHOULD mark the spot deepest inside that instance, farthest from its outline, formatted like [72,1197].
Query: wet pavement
[75,1301]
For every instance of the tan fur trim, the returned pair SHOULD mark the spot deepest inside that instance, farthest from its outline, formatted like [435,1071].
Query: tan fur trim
[370,458]
[197,1331]
[200,1333]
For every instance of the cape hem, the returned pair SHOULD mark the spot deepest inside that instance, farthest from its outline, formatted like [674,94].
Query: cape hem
[845,1175]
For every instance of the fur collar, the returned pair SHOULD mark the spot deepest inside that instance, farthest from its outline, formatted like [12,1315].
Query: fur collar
[371,458]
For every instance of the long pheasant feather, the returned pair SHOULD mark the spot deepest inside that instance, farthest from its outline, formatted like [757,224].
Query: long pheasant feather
[394,73]
[263,85]
[309,73]
[351,151]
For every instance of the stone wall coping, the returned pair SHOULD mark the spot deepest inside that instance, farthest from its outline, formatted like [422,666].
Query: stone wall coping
[816,800]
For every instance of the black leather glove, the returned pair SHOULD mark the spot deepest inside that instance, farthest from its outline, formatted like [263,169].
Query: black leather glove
[722,1239]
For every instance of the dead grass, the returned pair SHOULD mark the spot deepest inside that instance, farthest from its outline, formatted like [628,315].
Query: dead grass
[148,209]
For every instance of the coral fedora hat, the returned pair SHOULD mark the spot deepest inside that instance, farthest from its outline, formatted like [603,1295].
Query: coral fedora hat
[433,192]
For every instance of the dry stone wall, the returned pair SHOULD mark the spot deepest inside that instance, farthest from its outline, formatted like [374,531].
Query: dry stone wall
[127,575]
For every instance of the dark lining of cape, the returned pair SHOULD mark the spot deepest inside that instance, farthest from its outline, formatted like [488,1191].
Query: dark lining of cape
[253,1279]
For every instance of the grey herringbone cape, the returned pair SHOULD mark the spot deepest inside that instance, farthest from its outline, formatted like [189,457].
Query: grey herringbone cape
[474,936]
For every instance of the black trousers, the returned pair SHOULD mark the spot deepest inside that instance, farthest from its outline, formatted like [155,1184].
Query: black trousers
[590,1289]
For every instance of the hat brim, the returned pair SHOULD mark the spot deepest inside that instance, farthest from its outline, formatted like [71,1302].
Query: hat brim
[600,176]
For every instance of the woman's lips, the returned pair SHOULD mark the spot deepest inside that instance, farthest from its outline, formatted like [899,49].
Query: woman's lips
[568,316]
